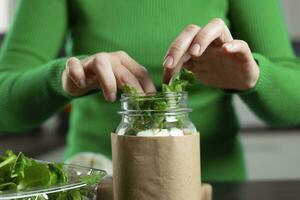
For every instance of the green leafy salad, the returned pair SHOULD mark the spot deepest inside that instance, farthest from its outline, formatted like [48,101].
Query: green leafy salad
[150,111]
[20,173]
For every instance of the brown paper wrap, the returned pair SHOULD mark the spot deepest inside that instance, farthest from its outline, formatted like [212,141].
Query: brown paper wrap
[156,168]
[105,190]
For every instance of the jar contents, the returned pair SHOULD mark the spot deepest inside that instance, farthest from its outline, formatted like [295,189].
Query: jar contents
[158,114]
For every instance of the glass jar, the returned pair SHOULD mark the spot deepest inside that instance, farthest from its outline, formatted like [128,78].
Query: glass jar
[163,161]
[155,114]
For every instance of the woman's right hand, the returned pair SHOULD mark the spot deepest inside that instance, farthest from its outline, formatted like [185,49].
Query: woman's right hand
[106,71]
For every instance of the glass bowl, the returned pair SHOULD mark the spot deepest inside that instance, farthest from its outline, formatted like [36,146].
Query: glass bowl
[82,185]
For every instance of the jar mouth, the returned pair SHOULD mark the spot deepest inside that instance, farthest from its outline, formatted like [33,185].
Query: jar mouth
[156,95]
[168,103]
[169,112]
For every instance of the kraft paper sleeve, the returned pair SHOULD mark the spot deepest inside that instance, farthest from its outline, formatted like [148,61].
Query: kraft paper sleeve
[105,190]
[156,168]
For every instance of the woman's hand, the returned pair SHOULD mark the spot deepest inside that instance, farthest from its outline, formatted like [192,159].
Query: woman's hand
[214,57]
[106,71]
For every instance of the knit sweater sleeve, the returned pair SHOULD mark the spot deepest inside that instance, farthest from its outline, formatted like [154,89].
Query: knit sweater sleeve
[276,97]
[30,76]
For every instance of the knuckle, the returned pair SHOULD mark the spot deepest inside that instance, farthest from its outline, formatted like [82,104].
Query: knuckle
[202,34]
[191,27]
[125,77]
[176,47]
[98,59]
[122,53]
[143,73]
[101,54]
[120,73]
[218,21]
[72,61]
[243,43]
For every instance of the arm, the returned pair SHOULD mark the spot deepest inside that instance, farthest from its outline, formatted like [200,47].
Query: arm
[266,80]
[30,86]
[34,86]
[276,97]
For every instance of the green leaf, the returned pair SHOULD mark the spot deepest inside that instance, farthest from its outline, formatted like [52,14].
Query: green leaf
[145,119]
[161,105]
[57,174]
[18,172]
[8,161]
[60,196]
[6,166]
[179,82]
[74,195]
[130,90]
[36,175]
[92,179]
[8,186]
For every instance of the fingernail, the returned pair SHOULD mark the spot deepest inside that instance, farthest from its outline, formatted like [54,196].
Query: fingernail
[82,83]
[112,97]
[195,50]
[168,61]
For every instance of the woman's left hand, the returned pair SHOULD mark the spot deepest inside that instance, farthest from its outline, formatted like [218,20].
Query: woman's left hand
[215,58]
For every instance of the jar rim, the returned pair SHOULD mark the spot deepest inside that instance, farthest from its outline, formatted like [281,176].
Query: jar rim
[164,112]
[157,95]
[176,101]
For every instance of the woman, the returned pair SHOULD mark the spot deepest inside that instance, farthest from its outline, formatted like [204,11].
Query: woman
[242,48]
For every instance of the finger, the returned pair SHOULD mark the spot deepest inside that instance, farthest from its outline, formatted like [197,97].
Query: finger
[215,30]
[240,49]
[75,72]
[105,75]
[87,60]
[180,45]
[169,72]
[124,76]
[139,71]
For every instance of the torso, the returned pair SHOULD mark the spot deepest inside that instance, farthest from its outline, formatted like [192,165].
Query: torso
[144,29]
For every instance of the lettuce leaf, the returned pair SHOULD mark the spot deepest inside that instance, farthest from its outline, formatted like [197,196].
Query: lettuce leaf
[144,117]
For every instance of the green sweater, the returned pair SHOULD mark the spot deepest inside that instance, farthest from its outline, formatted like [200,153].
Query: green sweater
[30,75]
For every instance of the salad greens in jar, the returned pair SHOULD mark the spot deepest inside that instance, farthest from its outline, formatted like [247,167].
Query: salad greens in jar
[163,113]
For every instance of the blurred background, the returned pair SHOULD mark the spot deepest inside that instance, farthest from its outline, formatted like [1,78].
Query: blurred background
[270,153]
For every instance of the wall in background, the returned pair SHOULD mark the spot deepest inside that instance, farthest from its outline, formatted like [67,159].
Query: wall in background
[7,8]
[292,15]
